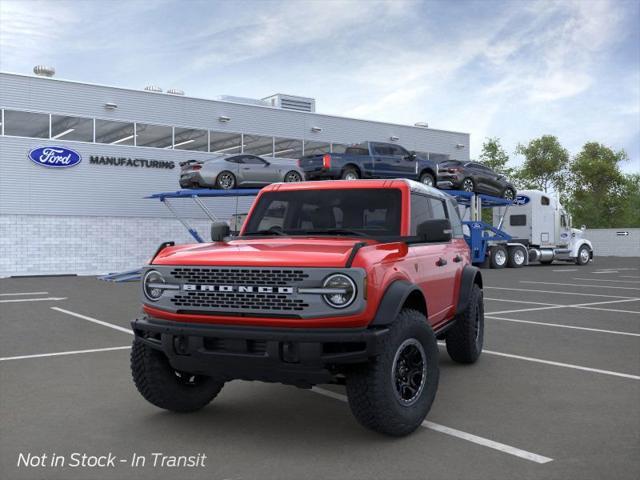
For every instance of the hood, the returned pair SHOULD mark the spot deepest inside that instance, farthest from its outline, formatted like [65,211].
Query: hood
[279,252]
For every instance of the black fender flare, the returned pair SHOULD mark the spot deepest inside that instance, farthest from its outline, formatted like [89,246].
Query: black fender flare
[392,301]
[470,275]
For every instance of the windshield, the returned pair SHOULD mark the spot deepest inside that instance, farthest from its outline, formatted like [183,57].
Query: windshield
[356,212]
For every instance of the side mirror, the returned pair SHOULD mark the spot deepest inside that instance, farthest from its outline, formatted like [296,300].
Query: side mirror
[411,156]
[219,230]
[434,231]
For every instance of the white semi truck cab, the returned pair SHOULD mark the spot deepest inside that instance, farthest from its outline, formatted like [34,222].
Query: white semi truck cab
[537,221]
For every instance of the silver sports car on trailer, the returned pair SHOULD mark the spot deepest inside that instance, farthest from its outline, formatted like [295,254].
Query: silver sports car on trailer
[237,171]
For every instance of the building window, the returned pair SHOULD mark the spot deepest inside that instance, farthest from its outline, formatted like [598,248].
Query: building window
[191,139]
[158,136]
[71,128]
[26,124]
[225,143]
[287,148]
[114,133]
[316,148]
[258,145]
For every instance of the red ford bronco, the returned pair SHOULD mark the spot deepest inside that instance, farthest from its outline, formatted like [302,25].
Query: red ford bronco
[347,282]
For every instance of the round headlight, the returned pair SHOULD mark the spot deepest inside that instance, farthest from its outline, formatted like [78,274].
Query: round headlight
[150,285]
[344,291]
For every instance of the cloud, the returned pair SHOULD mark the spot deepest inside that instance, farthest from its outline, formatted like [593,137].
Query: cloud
[271,27]
[30,29]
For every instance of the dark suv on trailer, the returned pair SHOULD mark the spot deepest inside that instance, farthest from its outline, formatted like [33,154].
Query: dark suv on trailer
[474,177]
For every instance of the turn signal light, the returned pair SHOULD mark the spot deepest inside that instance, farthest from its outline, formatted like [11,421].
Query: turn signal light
[326,161]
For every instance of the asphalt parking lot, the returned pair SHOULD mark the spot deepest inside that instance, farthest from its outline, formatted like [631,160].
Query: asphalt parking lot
[555,395]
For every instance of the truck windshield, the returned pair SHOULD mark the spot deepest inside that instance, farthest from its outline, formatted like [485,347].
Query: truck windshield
[354,212]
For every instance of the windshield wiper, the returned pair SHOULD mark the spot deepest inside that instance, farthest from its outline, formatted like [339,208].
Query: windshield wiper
[331,231]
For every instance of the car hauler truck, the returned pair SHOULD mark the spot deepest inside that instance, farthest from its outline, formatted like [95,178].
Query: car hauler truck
[537,221]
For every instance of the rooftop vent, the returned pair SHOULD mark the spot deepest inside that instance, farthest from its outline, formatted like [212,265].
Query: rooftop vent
[421,124]
[175,91]
[44,71]
[153,88]
[291,102]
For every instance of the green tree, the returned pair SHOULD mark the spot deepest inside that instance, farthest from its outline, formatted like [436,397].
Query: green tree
[600,195]
[495,157]
[545,164]
[630,215]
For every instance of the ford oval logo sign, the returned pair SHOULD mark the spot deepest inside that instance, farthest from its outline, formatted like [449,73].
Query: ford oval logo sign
[55,157]
[521,200]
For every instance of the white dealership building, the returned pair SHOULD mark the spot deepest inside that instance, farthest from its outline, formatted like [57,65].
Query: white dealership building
[91,217]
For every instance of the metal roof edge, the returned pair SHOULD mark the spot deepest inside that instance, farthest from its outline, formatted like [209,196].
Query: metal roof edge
[413,127]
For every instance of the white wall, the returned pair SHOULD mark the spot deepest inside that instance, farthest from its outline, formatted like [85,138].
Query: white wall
[51,244]
[607,242]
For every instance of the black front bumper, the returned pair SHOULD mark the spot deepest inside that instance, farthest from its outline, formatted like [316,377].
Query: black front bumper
[300,356]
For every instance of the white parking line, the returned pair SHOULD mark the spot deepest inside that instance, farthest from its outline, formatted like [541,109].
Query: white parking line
[566,270]
[23,293]
[580,285]
[565,365]
[520,301]
[485,442]
[598,330]
[57,354]
[528,290]
[588,306]
[629,276]
[94,320]
[606,280]
[48,299]
[632,312]
[607,271]
[527,309]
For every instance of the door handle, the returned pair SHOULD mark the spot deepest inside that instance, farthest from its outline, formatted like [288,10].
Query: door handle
[457,259]
[441,262]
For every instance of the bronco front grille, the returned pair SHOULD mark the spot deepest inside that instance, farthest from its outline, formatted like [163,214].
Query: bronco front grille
[235,300]
[239,276]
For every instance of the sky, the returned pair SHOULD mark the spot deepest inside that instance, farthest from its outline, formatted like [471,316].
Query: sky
[514,69]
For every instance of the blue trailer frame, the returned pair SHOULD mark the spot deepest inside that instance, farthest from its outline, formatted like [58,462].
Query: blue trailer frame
[481,234]
[195,195]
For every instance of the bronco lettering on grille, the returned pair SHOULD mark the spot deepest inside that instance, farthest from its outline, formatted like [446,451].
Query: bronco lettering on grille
[238,288]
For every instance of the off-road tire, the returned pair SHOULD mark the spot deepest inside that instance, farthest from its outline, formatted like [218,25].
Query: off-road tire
[428,176]
[580,259]
[233,184]
[465,339]
[349,172]
[496,256]
[371,388]
[159,384]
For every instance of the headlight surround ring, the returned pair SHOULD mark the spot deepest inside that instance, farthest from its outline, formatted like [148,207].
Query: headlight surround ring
[152,294]
[340,281]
